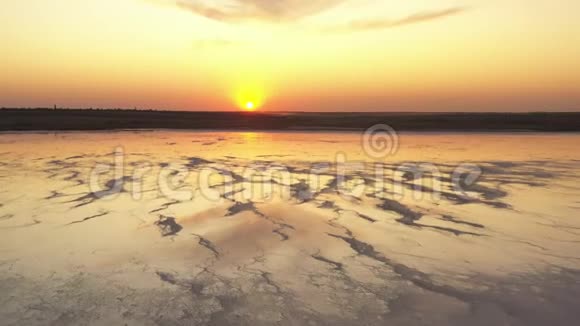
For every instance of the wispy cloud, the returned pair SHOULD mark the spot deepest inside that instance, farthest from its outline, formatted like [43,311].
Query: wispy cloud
[269,10]
[236,11]
[373,24]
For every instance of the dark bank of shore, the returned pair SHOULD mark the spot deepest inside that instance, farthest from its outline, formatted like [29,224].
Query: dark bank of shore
[84,119]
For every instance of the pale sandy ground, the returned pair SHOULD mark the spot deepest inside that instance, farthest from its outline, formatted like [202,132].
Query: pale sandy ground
[509,254]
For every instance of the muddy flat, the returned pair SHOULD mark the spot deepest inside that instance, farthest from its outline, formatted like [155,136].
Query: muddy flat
[288,228]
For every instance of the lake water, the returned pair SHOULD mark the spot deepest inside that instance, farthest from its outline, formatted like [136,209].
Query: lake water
[172,228]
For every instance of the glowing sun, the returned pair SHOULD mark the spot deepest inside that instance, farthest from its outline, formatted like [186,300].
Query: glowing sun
[249,97]
[250,106]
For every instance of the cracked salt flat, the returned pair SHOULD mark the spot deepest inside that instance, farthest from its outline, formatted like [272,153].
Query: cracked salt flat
[508,254]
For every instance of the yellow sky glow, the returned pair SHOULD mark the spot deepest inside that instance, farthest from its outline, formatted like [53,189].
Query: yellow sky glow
[318,55]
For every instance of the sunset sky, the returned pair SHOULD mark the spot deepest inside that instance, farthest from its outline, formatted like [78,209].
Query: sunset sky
[286,55]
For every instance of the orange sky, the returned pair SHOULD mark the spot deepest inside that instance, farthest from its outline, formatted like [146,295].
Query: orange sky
[306,55]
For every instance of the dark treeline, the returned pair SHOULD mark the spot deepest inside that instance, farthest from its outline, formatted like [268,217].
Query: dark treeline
[108,119]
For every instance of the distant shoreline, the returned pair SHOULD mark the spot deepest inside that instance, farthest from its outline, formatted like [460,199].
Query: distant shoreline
[49,120]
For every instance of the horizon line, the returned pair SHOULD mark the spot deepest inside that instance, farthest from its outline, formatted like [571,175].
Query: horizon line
[492,111]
